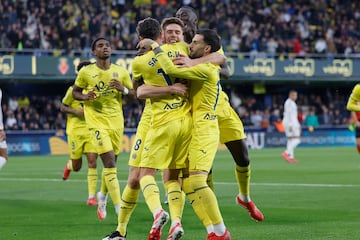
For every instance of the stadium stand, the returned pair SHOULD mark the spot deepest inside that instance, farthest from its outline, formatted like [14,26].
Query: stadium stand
[280,28]
[298,28]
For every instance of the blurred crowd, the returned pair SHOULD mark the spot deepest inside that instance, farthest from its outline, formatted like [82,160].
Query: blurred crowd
[37,112]
[314,110]
[292,28]
[261,111]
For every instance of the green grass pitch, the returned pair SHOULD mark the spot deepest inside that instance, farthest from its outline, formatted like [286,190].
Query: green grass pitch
[316,198]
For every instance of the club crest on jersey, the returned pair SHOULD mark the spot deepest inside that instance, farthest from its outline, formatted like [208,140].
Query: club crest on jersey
[209,116]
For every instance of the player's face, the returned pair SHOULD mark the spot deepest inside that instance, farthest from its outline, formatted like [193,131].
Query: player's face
[197,46]
[189,19]
[173,33]
[102,49]
[294,96]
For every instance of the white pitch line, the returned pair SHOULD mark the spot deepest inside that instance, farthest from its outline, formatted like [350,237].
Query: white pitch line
[300,185]
[218,183]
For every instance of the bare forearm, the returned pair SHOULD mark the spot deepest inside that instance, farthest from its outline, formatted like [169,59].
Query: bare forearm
[78,95]
[214,58]
[224,71]
[148,91]
[69,110]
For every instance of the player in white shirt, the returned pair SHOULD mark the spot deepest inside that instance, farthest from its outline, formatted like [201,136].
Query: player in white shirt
[3,145]
[292,127]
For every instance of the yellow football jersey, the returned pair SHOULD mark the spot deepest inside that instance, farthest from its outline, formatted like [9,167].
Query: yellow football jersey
[146,67]
[73,121]
[205,87]
[106,110]
[354,99]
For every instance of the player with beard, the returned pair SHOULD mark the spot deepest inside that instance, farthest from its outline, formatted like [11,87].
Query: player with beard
[231,128]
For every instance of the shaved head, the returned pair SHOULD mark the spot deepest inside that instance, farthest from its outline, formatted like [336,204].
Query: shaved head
[190,19]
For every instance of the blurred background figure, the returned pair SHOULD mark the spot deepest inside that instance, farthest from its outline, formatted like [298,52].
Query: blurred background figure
[292,127]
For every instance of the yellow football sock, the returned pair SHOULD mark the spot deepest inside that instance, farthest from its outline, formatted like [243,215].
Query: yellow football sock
[92,181]
[210,181]
[103,187]
[112,184]
[128,202]
[196,203]
[207,197]
[243,179]
[151,193]
[182,199]
[69,165]
[174,194]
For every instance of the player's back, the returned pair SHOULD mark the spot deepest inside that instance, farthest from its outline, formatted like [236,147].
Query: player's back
[73,121]
[164,109]
[204,94]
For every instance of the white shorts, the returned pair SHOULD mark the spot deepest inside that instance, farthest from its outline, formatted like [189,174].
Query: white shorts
[294,131]
[3,144]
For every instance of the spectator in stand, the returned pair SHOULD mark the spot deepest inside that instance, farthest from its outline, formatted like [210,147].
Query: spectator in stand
[271,47]
[256,118]
[235,99]
[311,120]
[235,41]
[326,118]
[58,21]
[13,103]
[50,114]
[301,116]
[11,122]
[60,121]
[340,118]
[20,121]
[320,46]
[245,118]
[274,116]
[23,101]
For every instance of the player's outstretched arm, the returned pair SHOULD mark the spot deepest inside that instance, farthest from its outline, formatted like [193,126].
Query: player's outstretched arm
[149,91]
[66,109]
[214,58]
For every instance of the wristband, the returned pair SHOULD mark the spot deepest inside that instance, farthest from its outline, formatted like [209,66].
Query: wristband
[125,91]
[154,45]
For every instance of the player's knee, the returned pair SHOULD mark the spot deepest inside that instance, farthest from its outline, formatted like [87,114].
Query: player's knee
[134,183]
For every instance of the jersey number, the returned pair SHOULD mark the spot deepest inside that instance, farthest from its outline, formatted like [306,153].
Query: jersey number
[166,77]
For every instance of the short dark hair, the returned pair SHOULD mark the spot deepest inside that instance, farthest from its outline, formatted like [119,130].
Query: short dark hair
[93,44]
[211,38]
[82,64]
[148,28]
[171,20]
